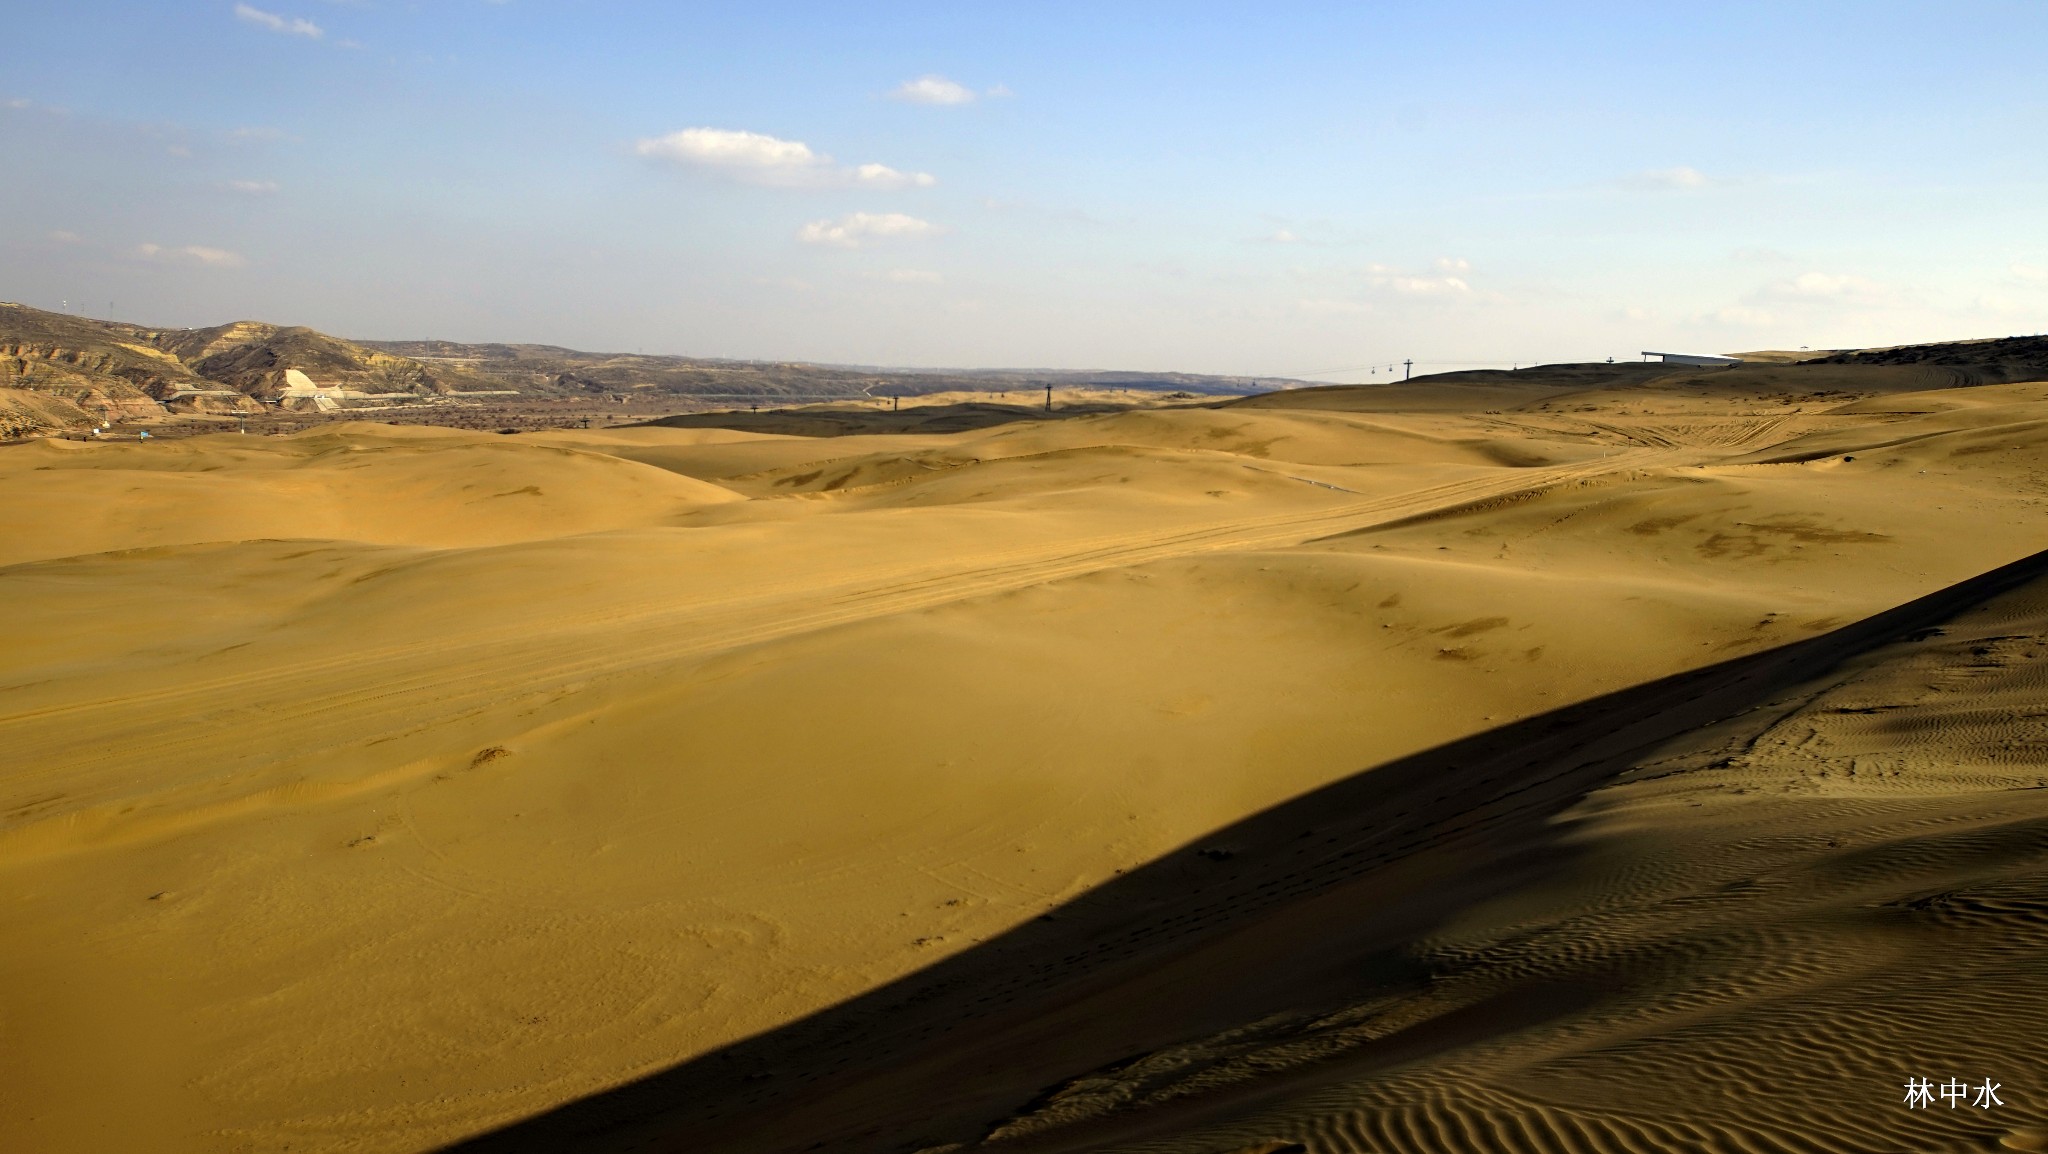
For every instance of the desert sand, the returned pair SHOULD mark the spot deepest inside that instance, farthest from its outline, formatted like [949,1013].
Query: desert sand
[1595,758]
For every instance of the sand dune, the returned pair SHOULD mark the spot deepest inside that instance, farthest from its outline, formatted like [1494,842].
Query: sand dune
[1746,939]
[1728,947]
[386,485]
[371,788]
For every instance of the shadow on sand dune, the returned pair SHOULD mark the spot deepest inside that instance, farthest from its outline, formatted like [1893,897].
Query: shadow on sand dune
[923,420]
[1308,903]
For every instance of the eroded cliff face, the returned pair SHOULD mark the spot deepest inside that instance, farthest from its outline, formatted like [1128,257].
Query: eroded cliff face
[47,364]
[217,402]
[60,372]
[91,370]
[26,413]
[190,346]
[258,366]
[53,389]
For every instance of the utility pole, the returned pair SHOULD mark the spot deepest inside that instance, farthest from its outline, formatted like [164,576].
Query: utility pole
[1048,396]
[1406,366]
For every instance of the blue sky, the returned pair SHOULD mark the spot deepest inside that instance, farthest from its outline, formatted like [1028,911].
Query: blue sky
[1250,188]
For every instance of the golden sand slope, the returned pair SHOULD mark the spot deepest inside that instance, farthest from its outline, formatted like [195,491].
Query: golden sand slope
[1755,938]
[1749,940]
[368,788]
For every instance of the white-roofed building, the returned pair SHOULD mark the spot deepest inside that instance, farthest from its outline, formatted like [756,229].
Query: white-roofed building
[1692,359]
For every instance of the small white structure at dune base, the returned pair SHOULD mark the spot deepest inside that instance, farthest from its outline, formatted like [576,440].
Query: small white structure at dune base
[298,386]
[1692,359]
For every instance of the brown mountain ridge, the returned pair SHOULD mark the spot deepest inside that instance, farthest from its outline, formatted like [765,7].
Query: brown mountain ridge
[60,372]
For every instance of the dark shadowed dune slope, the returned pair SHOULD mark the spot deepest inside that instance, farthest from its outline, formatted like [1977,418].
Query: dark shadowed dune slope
[1409,959]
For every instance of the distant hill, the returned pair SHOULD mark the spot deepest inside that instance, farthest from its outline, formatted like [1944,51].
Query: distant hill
[54,351]
[60,371]
[546,368]
[2026,356]
[253,358]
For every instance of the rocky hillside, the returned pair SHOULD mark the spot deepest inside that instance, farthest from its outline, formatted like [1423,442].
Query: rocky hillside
[29,413]
[253,358]
[59,371]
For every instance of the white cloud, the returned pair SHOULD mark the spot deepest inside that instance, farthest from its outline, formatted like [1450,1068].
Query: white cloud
[860,229]
[66,236]
[1327,307]
[1419,286]
[1832,287]
[18,102]
[935,89]
[2029,271]
[257,132]
[913,276]
[1815,297]
[290,26]
[1745,316]
[1388,282]
[762,159]
[734,151]
[218,257]
[1808,298]
[882,176]
[1313,233]
[1667,179]
[1637,314]
[191,254]
[1453,264]
[253,187]
[1424,286]
[1000,92]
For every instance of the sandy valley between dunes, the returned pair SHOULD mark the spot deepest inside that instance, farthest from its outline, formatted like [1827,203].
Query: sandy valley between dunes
[375,788]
